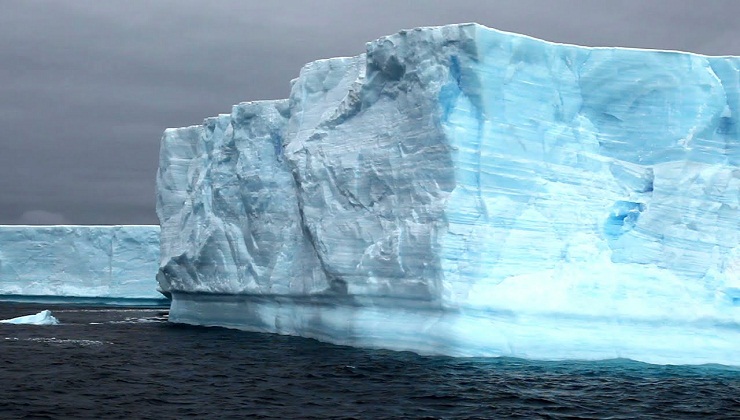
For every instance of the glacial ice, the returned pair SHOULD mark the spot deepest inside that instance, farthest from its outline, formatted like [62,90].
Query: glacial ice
[42,318]
[464,191]
[86,263]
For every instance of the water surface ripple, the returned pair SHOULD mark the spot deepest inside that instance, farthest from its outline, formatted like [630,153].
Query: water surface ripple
[131,363]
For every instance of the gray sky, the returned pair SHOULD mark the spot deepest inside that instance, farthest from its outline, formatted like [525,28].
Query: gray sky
[87,87]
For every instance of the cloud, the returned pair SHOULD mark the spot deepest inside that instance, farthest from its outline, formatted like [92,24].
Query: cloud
[42,217]
[87,87]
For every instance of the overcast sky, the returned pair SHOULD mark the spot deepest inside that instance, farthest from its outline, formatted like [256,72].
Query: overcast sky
[87,87]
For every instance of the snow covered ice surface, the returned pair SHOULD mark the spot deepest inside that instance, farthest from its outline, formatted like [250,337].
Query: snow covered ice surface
[464,191]
[42,318]
[74,262]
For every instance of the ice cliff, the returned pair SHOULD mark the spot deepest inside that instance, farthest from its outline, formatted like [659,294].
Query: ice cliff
[64,263]
[464,191]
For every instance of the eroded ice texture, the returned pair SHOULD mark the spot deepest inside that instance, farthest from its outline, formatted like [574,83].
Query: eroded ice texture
[112,262]
[465,191]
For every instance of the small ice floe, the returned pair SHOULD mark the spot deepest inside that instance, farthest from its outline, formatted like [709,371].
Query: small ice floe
[42,318]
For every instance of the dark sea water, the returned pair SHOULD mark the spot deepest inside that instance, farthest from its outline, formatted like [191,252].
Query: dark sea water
[106,362]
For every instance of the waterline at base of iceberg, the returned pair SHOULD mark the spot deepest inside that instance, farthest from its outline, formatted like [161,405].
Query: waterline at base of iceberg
[426,328]
[80,300]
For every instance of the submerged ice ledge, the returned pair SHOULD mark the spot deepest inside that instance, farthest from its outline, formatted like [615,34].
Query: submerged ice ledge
[414,326]
[80,264]
[460,190]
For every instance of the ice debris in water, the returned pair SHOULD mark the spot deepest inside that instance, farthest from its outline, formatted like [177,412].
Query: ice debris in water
[42,318]
[460,190]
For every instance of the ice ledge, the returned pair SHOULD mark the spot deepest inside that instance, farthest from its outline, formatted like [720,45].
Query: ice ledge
[429,331]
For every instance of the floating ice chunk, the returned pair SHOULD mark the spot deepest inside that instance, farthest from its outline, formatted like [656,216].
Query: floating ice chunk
[42,318]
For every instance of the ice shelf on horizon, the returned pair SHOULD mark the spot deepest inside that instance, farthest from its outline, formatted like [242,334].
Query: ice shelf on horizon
[464,191]
[106,262]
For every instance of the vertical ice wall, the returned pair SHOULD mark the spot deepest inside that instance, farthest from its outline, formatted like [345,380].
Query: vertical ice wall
[79,261]
[599,182]
[228,209]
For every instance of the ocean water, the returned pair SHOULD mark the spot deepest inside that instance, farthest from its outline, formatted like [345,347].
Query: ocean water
[112,362]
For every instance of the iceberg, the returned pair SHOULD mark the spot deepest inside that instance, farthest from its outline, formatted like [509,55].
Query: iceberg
[464,191]
[42,318]
[93,264]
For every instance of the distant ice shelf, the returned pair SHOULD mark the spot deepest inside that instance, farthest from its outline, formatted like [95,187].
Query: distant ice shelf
[80,264]
[464,191]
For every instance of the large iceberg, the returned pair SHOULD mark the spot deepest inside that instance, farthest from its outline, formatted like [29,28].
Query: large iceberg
[464,191]
[106,264]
